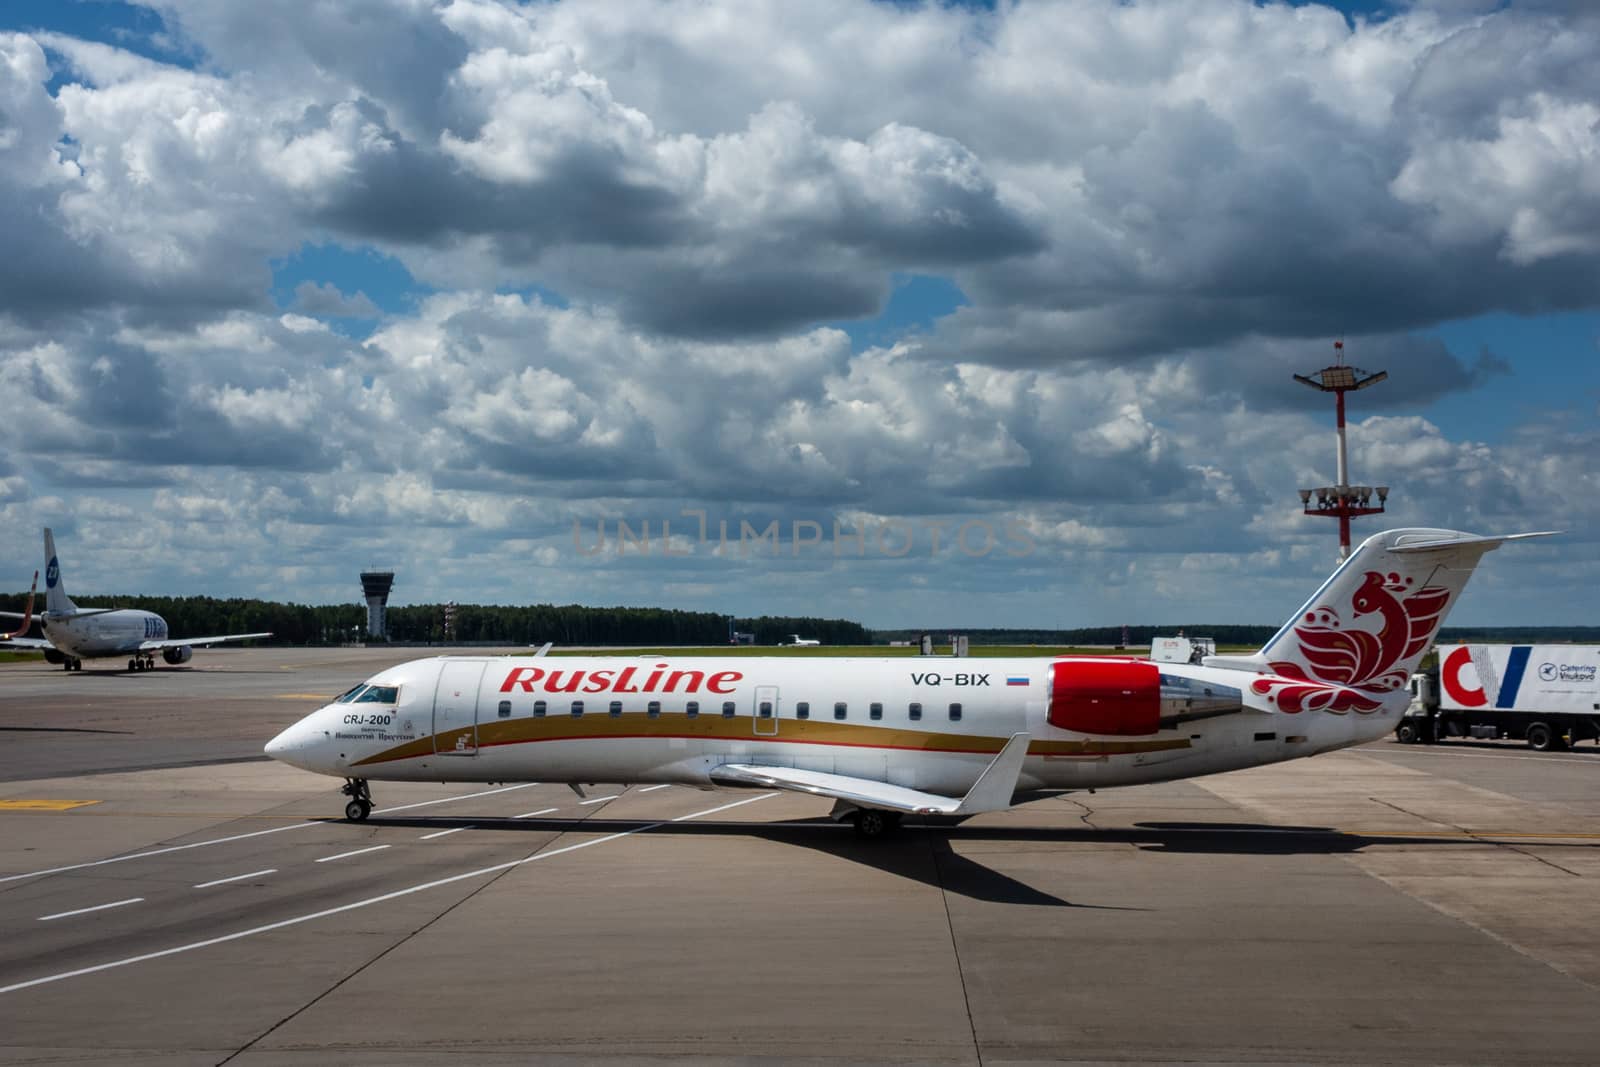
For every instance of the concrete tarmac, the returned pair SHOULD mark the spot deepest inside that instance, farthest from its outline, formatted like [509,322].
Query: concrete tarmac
[1388,904]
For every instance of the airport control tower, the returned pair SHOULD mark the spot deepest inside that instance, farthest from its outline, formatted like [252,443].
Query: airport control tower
[1342,501]
[375,586]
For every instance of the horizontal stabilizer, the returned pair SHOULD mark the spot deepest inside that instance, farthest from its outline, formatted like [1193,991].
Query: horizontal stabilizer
[1486,543]
[991,792]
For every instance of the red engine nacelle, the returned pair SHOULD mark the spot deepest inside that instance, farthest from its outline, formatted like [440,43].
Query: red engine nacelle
[1120,697]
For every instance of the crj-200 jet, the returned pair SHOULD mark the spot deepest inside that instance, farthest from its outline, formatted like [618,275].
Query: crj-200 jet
[889,737]
[73,634]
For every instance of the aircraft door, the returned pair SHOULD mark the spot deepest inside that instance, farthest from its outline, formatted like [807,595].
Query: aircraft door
[455,708]
[766,710]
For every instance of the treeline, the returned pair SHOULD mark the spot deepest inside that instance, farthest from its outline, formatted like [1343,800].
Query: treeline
[576,624]
[569,624]
[1251,636]
[1087,635]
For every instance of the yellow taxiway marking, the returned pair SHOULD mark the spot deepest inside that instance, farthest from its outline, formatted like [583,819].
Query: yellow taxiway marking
[44,805]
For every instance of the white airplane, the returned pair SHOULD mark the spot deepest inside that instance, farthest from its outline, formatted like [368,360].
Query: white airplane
[888,737]
[796,641]
[73,634]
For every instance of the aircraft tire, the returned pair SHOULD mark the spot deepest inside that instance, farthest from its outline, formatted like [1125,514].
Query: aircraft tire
[357,810]
[871,824]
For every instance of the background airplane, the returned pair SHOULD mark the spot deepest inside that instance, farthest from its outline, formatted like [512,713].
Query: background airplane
[73,634]
[926,736]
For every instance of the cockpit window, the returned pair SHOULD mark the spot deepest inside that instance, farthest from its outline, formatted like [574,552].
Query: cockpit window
[349,695]
[379,694]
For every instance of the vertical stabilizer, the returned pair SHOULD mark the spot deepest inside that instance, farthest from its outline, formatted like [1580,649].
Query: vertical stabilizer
[1366,629]
[56,601]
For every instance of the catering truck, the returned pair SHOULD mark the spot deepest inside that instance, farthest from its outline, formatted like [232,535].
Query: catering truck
[1546,695]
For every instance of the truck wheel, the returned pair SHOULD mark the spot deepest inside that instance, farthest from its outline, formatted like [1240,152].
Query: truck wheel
[1407,733]
[1540,737]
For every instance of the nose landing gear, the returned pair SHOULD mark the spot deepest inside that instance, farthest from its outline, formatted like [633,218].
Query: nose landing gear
[360,795]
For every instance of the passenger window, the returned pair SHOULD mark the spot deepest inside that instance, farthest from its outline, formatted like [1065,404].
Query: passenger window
[538,709]
[616,708]
[653,709]
[505,709]
[874,711]
[840,710]
[915,712]
[692,709]
[955,712]
[802,710]
[727,709]
[577,708]
[765,709]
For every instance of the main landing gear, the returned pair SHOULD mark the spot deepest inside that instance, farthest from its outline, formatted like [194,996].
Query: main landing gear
[142,663]
[72,664]
[872,823]
[360,805]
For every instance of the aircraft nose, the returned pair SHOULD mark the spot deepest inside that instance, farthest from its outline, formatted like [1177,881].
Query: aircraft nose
[297,745]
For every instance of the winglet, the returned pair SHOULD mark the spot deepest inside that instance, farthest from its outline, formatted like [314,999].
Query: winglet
[998,782]
[27,612]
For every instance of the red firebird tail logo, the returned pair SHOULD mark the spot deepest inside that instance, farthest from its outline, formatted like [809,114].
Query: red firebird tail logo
[1342,666]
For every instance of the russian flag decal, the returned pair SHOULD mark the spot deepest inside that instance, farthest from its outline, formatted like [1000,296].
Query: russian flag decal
[1014,680]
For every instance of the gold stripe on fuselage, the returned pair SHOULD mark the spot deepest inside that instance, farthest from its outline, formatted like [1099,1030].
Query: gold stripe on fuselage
[713,727]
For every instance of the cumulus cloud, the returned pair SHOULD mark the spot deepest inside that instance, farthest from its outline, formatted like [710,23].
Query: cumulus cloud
[1150,208]
[326,300]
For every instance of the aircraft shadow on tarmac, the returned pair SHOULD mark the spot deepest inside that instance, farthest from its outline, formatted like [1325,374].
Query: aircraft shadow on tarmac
[924,857]
[59,730]
[923,853]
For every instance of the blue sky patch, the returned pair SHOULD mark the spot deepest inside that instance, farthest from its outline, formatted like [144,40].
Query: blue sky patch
[918,300]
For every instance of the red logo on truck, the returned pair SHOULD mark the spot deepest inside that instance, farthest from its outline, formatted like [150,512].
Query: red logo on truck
[1450,676]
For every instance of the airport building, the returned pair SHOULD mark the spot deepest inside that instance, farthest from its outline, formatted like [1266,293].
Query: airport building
[375,586]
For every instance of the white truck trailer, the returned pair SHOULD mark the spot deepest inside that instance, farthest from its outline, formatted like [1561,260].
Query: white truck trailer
[1546,695]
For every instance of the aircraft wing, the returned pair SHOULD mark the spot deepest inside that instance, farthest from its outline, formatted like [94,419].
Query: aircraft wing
[156,646]
[26,642]
[991,792]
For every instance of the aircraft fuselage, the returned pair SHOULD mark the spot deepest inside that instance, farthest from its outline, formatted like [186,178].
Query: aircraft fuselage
[930,724]
[109,633]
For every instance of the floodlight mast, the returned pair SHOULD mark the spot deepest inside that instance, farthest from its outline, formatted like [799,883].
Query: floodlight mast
[1343,500]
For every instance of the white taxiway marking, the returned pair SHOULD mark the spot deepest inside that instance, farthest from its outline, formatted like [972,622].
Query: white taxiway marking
[600,800]
[653,788]
[85,911]
[357,852]
[253,833]
[297,920]
[444,833]
[237,878]
[531,814]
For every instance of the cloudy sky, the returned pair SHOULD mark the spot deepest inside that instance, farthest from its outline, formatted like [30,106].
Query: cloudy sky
[1015,292]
